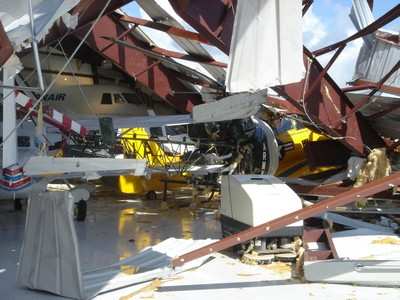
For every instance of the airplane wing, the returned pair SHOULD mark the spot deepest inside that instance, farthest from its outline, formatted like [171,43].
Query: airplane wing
[135,122]
[90,168]
[199,170]
[238,106]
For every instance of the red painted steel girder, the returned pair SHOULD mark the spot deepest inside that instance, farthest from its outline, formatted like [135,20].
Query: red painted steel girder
[384,88]
[344,198]
[391,15]
[197,78]
[213,19]
[332,190]
[326,103]
[157,51]
[5,46]
[292,107]
[131,61]
[194,36]
[368,97]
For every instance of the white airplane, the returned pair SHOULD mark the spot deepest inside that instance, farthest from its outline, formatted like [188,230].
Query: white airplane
[88,101]
[127,108]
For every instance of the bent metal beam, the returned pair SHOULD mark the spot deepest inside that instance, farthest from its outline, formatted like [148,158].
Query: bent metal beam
[131,61]
[344,198]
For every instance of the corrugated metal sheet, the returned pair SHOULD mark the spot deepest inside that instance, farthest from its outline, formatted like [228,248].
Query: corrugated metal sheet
[171,63]
[153,262]
[361,16]
[387,125]
[375,62]
[158,14]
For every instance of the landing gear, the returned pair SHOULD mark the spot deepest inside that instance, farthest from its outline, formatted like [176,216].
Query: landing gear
[17,204]
[151,195]
[80,210]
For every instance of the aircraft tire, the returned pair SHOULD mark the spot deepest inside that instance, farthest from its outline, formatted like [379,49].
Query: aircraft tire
[17,204]
[151,195]
[81,210]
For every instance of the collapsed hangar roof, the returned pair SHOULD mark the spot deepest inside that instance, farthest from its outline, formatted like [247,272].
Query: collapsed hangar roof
[118,39]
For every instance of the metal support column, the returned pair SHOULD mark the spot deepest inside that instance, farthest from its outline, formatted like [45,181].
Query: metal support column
[10,155]
[39,126]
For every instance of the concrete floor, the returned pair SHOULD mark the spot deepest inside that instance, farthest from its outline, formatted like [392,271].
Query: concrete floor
[118,227]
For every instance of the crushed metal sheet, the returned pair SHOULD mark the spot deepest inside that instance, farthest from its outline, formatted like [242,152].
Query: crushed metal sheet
[153,262]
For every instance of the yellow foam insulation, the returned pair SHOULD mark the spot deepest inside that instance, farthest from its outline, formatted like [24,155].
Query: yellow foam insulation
[377,166]
[387,241]
[247,274]
[279,267]
[153,286]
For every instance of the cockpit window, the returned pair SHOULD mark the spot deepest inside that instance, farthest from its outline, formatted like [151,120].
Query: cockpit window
[119,99]
[106,99]
[156,132]
[132,98]
[23,141]
[176,130]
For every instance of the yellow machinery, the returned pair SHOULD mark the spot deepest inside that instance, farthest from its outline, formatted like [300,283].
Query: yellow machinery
[293,162]
[136,143]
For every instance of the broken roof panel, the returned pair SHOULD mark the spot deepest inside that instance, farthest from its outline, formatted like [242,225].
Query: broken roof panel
[376,61]
[158,14]
[16,21]
[5,46]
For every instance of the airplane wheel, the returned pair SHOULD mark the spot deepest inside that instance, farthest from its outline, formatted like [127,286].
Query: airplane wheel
[17,204]
[151,195]
[81,209]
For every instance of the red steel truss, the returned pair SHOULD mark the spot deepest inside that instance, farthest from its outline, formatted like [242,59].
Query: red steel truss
[344,198]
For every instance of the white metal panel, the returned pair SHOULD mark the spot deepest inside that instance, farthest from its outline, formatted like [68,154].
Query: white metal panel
[256,199]
[153,262]
[267,45]
[366,256]
[237,106]
[361,16]
[386,125]
[15,17]
[364,272]
[49,256]
[70,166]
[375,62]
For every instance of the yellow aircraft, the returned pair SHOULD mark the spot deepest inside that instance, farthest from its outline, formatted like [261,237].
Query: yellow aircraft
[137,143]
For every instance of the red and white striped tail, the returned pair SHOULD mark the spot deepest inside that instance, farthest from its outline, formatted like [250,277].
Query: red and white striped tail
[52,116]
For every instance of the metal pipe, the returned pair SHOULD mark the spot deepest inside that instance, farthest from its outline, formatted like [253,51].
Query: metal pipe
[35,48]
[39,125]
[20,88]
